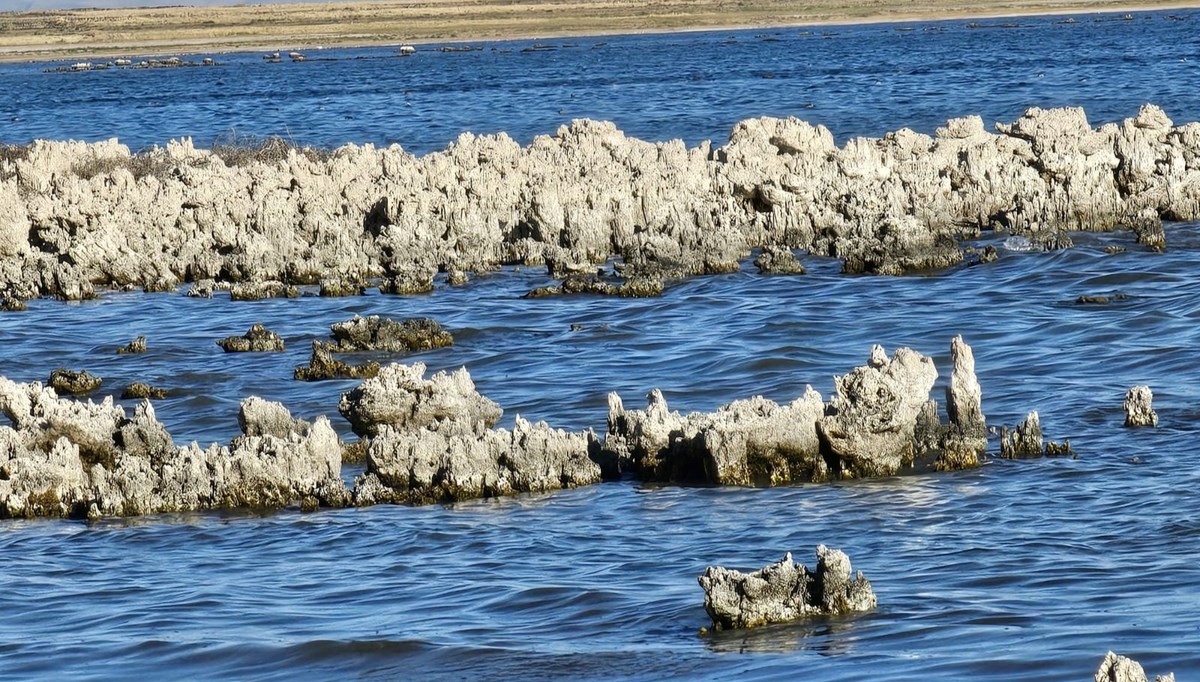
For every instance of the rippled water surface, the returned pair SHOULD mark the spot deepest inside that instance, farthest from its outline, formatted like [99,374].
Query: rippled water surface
[1016,570]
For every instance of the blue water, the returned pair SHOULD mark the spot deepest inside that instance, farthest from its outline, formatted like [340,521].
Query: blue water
[862,80]
[1017,570]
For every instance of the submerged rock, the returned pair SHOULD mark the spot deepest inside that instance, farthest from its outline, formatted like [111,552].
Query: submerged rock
[401,397]
[140,391]
[258,339]
[1138,411]
[637,287]
[137,345]
[322,366]
[1116,668]
[785,591]
[377,333]
[69,381]
[256,291]
[776,260]
[69,458]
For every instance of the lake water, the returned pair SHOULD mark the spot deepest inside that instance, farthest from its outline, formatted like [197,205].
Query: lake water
[1016,570]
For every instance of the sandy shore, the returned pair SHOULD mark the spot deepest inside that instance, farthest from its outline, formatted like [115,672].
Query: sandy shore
[96,33]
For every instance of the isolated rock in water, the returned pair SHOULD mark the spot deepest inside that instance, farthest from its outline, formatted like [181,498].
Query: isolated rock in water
[1137,407]
[637,287]
[137,345]
[785,591]
[140,391]
[1115,668]
[1023,442]
[423,466]
[66,457]
[70,381]
[322,366]
[332,288]
[964,398]
[383,334]
[872,422]
[747,442]
[776,260]
[258,339]
[401,397]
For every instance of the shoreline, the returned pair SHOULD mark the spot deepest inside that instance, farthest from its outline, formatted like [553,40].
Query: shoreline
[102,46]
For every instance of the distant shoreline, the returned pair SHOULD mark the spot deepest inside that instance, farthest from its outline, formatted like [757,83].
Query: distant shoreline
[68,35]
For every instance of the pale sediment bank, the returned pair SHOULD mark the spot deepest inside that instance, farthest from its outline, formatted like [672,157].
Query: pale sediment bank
[75,216]
[286,26]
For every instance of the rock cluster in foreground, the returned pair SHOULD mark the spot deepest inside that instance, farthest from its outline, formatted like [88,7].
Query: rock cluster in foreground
[785,591]
[75,215]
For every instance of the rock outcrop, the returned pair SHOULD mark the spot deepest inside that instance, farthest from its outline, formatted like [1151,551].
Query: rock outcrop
[75,382]
[880,422]
[573,200]
[258,339]
[400,396]
[1115,668]
[430,440]
[69,458]
[1138,411]
[785,591]
[137,345]
[322,366]
[377,333]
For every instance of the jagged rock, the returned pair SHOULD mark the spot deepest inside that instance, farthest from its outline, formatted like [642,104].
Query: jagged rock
[747,442]
[871,425]
[1116,668]
[65,457]
[69,381]
[322,366]
[401,397]
[776,260]
[137,345]
[258,339]
[140,391]
[258,417]
[256,291]
[1138,411]
[785,591]
[384,334]
[1023,442]
[964,399]
[422,466]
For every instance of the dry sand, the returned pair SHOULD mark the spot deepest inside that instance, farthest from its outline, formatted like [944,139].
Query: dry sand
[93,33]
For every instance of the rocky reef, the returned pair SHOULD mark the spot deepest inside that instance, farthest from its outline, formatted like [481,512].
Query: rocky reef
[63,457]
[377,333]
[785,591]
[74,216]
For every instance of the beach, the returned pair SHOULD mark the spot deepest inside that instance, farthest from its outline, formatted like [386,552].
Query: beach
[113,33]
